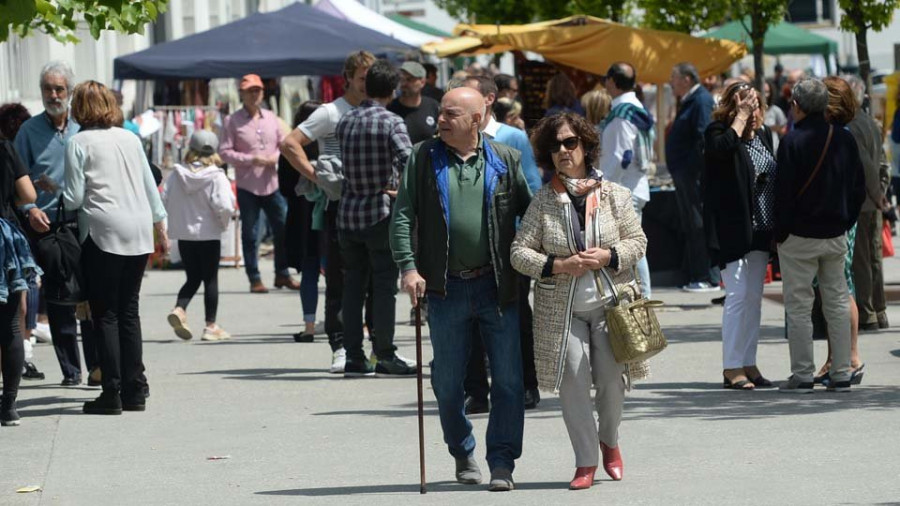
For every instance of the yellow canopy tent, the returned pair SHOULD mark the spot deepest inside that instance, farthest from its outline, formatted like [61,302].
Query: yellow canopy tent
[593,44]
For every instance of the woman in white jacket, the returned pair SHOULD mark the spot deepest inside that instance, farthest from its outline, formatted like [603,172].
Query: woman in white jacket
[200,203]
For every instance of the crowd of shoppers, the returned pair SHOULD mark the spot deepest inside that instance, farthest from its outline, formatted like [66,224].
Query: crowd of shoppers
[399,184]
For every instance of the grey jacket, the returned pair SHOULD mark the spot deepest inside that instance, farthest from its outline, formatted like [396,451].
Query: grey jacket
[330,178]
[871,151]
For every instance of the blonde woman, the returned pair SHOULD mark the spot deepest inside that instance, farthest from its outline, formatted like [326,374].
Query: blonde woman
[108,181]
[597,104]
[200,203]
[576,225]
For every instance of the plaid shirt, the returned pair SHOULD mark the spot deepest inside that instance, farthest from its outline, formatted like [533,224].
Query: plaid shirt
[374,149]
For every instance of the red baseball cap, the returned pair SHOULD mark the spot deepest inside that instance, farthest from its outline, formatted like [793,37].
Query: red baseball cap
[251,81]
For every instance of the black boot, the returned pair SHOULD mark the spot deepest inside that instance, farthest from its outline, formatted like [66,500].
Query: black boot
[108,403]
[9,417]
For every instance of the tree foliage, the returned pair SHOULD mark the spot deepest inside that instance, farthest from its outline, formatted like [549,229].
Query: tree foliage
[61,18]
[528,11]
[686,16]
[859,17]
[762,14]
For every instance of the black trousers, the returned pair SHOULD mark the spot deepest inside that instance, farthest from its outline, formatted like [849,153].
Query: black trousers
[12,349]
[334,280]
[476,382]
[690,213]
[201,264]
[114,287]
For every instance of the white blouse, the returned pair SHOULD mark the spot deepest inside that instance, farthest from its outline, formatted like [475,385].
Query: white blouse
[109,182]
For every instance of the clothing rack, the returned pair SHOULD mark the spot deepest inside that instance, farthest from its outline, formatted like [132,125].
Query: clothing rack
[183,107]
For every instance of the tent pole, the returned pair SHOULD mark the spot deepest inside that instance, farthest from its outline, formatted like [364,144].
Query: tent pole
[661,123]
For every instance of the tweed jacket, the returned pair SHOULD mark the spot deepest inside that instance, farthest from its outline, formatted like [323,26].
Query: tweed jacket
[547,230]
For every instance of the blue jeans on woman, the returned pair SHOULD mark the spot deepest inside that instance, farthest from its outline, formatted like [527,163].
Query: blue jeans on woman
[275,208]
[309,287]
[450,319]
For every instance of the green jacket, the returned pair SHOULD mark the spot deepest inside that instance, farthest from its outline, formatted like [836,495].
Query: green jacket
[422,205]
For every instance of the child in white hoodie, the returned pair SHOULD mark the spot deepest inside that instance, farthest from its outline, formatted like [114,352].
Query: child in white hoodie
[200,203]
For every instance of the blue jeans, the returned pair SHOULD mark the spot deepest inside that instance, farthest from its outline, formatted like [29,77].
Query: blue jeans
[450,319]
[275,208]
[309,287]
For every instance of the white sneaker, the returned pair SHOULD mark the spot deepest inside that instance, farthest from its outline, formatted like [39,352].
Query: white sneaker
[338,361]
[216,333]
[41,333]
[410,363]
[700,287]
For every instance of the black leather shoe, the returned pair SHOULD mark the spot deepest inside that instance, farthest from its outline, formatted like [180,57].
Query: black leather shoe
[477,406]
[532,398]
[71,382]
[108,403]
[31,372]
[868,327]
[883,321]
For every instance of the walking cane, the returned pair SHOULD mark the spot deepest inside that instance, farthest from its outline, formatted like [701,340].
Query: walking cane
[421,402]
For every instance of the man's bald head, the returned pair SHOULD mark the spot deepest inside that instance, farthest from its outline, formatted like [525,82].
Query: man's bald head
[620,78]
[462,110]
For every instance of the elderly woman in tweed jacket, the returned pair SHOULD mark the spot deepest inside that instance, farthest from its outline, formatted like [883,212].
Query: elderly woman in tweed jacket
[576,225]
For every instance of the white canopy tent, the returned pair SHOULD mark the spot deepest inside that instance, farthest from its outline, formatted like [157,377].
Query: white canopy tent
[357,13]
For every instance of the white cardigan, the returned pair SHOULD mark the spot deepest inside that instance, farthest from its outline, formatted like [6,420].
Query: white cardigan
[109,183]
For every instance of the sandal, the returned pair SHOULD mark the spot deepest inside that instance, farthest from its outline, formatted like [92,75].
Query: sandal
[762,382]
[737,385]
[857,375]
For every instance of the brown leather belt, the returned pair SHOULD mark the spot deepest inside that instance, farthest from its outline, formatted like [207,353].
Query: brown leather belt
[472,273]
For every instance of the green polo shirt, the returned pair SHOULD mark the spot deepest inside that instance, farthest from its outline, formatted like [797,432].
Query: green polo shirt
[469,244]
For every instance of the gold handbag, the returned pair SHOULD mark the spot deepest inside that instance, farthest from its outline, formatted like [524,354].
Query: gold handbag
[634,332]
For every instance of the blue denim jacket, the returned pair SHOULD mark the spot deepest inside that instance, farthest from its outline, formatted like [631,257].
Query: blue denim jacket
[17,263]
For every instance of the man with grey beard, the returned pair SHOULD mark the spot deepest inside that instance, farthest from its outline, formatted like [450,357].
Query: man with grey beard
[41,144]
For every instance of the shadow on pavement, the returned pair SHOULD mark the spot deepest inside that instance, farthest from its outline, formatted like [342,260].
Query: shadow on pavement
[268,374]
[712,333]
[440,486]
[48,406]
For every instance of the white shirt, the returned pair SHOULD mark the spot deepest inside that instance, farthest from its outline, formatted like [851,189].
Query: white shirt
[108,180]
[321,124]
[619,137]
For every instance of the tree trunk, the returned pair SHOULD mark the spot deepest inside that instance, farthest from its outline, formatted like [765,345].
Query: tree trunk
[758,37]
[862,51]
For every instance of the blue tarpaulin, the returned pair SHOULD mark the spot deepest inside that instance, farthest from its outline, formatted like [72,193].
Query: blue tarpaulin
[296,40]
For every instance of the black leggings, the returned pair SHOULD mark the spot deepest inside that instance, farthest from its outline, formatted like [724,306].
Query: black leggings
[12,348]
[201,263]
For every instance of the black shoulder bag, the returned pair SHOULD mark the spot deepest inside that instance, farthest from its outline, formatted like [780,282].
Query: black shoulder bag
[59,255]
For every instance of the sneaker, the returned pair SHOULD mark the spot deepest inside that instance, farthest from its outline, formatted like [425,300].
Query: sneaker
[71,381]
[41,333]
[394,367]
[838,386]
[501,480]
[358,369]
[338,361]
[31,372]
[409,362]
[793,385]
[178,320]
[700,287]
[215,333]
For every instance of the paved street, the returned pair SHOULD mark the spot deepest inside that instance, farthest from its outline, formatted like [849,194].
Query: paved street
[294,434]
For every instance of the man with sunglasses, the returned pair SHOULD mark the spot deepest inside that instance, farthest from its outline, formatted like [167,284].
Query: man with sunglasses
[250,143]
[465,193]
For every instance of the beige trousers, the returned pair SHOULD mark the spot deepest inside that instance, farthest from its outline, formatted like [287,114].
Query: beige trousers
[589,361]
[803,259]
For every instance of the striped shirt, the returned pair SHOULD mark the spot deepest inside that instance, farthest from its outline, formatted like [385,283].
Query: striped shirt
[374,149]
[321,124]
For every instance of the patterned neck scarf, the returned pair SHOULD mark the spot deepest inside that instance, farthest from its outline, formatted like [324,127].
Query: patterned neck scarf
[580,187]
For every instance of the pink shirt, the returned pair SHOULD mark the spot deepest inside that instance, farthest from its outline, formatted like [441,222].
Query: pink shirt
[243,138]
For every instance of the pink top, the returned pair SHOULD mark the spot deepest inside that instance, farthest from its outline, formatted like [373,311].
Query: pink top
[243,138]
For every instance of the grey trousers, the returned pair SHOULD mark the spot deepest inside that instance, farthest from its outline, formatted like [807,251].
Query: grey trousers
[589,361]
[802,259]
[867,271]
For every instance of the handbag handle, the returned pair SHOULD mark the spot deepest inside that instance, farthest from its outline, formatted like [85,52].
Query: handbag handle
[609,281]
[819,164]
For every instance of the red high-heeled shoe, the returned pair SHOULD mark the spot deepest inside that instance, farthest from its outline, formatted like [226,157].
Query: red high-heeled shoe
[584,478]
[612,462]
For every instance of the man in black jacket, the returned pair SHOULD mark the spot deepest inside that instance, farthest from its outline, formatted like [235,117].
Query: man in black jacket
[820,187]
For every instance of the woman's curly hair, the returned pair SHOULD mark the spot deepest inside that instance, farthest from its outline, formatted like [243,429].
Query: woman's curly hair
[12,116]
[543,138]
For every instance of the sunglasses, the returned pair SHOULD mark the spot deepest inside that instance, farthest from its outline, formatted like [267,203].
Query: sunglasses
[569,142]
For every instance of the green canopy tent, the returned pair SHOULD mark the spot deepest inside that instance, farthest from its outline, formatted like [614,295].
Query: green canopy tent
[415,25]
[783,38]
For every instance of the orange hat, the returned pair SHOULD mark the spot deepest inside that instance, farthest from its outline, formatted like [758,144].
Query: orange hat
[251,81]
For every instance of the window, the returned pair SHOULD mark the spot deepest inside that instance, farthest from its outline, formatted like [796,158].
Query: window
[811,11]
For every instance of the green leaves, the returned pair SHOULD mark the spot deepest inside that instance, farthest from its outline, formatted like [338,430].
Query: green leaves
[61,18]
[873,14]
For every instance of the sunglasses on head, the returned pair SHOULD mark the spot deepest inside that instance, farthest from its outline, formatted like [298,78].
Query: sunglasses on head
[569,142]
